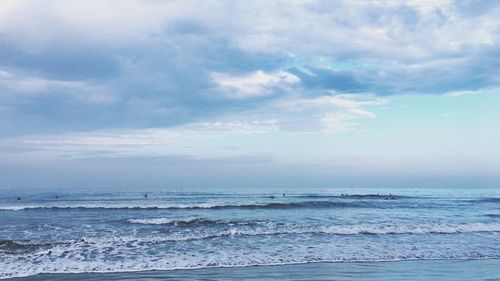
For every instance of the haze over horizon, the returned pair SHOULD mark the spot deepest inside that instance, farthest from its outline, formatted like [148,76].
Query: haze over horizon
[208,94]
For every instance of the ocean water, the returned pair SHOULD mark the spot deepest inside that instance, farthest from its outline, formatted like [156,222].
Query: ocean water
[106,232]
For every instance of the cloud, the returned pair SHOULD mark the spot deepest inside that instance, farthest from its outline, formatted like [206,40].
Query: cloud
[104,65]
[201,139]
[82,145]
[237,125]
[331,114]
[472,92]
[14,86]
[255,84]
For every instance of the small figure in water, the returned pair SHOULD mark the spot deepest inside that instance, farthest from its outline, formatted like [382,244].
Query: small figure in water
[283,194]
[57,196]
[18,198]
[272,196]
[146,195]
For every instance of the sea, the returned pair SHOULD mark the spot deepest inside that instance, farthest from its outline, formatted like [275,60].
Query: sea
[323,234]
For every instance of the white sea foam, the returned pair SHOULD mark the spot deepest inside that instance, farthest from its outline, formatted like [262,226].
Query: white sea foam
[152,221]
[412,228]
[200,205]
[266,228]
[128,206]
[135,252]
[120,255]
[137,240]
[271,229]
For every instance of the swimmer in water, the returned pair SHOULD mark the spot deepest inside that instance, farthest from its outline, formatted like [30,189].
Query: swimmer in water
[146,195]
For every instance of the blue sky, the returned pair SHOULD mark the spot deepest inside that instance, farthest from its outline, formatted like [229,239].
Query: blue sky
[249,94]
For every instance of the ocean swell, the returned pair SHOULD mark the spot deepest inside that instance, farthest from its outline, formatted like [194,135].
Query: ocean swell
[215,206]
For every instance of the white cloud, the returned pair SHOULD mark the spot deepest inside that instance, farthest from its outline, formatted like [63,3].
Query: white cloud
[472,92]
[254,84]
[111,143]
[39,25]
[261,26]
[14,85]
[332,114]
[106,141]
[236,125]
[161,53]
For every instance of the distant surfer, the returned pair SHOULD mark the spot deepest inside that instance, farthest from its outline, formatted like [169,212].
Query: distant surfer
[18,198]
[283,194]
[146,195]
[390,197]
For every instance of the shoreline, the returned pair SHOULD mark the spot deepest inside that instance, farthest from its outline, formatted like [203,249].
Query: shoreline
[452,269]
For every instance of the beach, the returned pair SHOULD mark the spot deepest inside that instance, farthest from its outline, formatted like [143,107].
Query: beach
[250,140]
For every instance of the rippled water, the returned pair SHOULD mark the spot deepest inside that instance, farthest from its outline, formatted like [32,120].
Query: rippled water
[124,231]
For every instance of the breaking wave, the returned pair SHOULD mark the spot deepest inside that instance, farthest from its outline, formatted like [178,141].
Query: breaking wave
[267,205]
[274,228]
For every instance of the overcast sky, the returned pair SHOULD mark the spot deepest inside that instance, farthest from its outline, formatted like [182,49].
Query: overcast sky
[298,93]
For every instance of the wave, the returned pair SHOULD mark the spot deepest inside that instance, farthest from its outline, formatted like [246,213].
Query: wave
[20,247]
[245,228]
[270,227]
[267,205]
[97,259]
[136,253]
[263,229]
[271,231]
[492,215]
[188,222]
[416,229]
[488,200]
[20,271]
[355,196]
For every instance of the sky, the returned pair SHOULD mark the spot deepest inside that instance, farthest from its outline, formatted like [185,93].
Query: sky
[246,94]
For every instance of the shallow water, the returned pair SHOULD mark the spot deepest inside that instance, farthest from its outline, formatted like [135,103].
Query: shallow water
[124,231]
[443,270]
